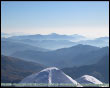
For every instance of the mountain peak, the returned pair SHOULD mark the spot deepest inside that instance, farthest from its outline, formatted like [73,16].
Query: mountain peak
[53,34]
[50,76]
[85,79]
[50,68]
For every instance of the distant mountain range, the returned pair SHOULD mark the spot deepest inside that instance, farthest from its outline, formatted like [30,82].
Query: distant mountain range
[99,70]
[10,47]
[14,69]
[4,35]
[49,44]
[77,54]
[74,56]
[99,42]
[56,41]
[52,41]
[52,36]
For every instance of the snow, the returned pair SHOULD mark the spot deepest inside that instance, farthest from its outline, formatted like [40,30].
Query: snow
[51,68]
[51,76]
[87,79]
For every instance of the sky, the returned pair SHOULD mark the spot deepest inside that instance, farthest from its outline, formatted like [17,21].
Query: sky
[88,18]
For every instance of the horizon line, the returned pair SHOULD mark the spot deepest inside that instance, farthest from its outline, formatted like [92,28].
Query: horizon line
[21,34]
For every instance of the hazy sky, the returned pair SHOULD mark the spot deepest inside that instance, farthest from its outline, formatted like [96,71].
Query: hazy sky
[68,17]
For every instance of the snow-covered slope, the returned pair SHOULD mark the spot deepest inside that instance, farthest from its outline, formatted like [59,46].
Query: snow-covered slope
[51,76]
[87,79]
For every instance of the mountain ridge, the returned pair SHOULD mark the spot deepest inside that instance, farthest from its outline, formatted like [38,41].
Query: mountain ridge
[14,69]
[54,58]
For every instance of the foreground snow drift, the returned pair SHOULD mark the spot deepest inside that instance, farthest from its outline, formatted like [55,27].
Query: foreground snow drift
[51,76]
[88,80]
[54,77]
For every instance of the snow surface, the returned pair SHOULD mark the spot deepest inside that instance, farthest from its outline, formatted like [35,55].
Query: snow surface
[87,79]
[50,76]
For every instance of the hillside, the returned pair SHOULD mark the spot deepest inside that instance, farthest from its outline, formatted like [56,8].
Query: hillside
[14,69]
[99,70]
[9,47]
[74,56]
